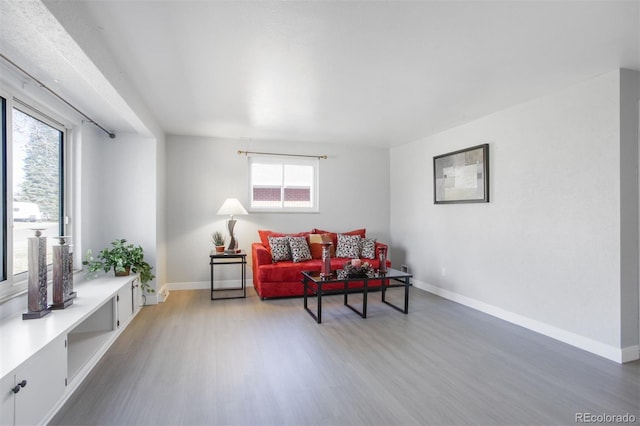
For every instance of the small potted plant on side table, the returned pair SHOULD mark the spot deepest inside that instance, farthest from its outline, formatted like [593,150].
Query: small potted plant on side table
[218,240]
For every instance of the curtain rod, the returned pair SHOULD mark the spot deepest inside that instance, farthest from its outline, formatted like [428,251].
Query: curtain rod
[111,134]
[319,157]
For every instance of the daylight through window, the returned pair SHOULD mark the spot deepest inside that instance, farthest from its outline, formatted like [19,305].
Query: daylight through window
[283,184]
[37,152]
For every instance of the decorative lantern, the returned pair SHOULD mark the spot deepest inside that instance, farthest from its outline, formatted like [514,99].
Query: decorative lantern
[37,277]
[382,258]
[325,270]
[63,293]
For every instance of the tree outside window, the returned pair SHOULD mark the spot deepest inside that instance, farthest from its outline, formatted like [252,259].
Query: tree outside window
[37,186]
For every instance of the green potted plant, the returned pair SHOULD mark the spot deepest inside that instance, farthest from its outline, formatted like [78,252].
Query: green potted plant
[218,241]
[123,258]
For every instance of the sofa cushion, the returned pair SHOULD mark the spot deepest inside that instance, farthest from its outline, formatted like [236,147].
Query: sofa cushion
[362,232]
[348,246]
[299,249]
[286,271]
[368,248]
[265,234]
[334,236]
[279,248]
[315,245]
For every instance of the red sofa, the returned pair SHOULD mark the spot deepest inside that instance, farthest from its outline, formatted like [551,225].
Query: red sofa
[284,278]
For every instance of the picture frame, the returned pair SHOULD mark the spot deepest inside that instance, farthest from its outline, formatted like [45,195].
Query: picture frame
[462,176]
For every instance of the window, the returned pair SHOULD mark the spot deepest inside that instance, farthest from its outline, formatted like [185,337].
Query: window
[37,184]
[283,184]
[3,186]
[33,185]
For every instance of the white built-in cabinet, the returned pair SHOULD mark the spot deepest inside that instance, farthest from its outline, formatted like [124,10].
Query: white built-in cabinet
[34,387]
[42,361]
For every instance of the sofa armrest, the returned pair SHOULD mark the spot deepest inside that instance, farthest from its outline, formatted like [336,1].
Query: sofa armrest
[260,255]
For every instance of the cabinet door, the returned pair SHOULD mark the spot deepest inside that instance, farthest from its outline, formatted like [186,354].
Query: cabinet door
[7,399]
[137,295]
[125,304]
[46,376]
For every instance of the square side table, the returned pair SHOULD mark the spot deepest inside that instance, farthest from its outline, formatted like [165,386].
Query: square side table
[229,259]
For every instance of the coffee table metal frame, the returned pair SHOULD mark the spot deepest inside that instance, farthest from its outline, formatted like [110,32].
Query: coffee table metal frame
[313,283]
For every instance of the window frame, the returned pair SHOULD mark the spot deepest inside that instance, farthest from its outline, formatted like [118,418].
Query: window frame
[11,284]
[285,161]
[4,126]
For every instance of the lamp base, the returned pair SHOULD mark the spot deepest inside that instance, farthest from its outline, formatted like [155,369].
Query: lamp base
[233,243]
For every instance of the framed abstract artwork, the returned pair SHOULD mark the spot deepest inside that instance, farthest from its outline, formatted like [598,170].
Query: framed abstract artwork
[462,176]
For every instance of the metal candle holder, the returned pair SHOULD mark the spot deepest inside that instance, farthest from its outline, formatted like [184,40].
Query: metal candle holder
[37,278]
[325,269]
[382,259]
[63,293]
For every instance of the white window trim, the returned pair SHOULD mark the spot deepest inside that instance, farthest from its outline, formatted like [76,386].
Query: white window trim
[16,285]
[315,190]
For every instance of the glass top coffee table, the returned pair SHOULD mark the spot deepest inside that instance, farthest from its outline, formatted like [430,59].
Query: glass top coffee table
[318,286]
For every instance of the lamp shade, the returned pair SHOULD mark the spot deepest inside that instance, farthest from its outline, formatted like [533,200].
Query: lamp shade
[232,207]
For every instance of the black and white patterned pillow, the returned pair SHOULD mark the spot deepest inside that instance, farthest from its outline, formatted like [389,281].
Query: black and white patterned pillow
[299,249]
[368,248]
[279,249]
[348,246]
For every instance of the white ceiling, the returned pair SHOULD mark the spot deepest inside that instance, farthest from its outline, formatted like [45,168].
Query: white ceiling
[366,72]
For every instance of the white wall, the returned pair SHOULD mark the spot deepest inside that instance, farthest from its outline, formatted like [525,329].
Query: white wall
[133,211]
[89,208]
[546,251]
[203,172]
[630,315]
[119,192]
[160,269]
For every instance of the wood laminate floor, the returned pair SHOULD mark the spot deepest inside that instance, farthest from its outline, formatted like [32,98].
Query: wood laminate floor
[191,361]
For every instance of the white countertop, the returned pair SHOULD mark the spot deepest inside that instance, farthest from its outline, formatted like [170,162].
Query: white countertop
[20,339]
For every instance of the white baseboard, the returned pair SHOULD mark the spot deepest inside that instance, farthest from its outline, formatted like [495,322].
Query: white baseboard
[200,285]
[620,355]
[630,353]
[162,294]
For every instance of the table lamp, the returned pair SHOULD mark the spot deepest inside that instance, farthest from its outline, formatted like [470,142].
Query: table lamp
[232,206]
